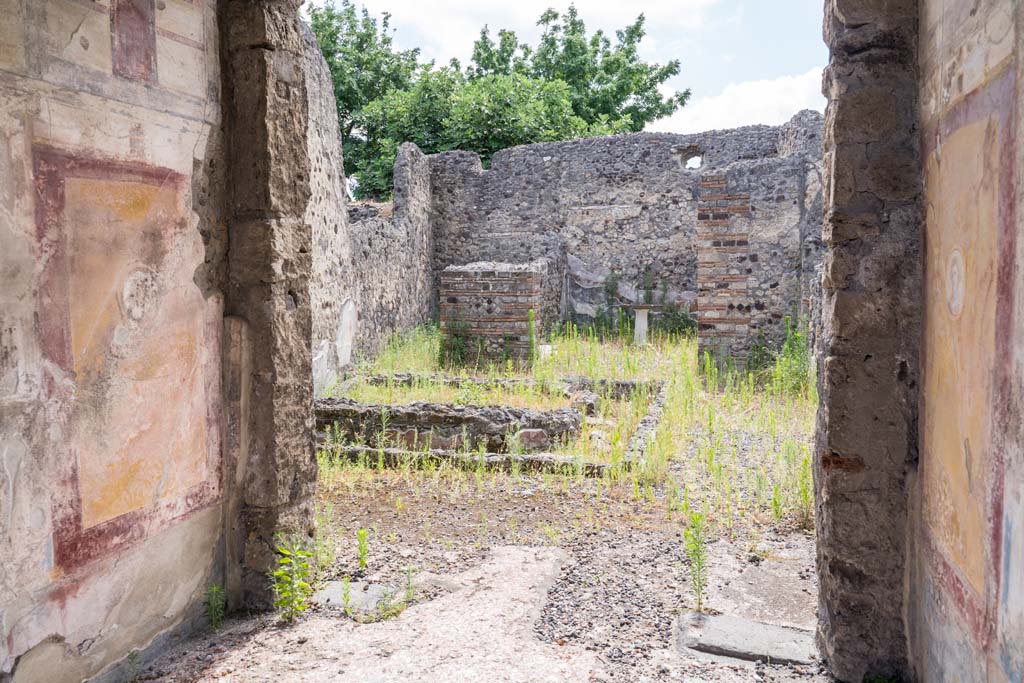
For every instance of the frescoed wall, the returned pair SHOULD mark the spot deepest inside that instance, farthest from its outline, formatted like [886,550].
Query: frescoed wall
[920,466]
[110,314]
[969,569]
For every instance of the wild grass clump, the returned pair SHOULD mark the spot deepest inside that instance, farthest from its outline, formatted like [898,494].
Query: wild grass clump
[732,442]
[791,373]
[215,605]
[467,392]
[414,351]
[455,346]
[363,548]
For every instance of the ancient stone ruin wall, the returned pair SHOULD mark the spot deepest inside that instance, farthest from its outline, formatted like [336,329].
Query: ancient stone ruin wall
[387,283]
[111,188]
[625,214]
[327,216]
[371,271]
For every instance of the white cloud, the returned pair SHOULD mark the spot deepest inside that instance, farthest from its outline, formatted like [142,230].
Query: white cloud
[771,101]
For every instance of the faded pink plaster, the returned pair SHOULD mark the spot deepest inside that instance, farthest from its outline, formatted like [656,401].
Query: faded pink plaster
[967,560]
[136,350]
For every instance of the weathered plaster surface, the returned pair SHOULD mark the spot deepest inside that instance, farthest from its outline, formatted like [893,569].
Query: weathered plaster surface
[109,328]
[966,587]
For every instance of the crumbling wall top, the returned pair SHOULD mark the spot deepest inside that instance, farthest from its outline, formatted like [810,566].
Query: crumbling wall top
[716,148]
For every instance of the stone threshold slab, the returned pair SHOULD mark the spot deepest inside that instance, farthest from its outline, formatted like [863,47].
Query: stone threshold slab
[751,641]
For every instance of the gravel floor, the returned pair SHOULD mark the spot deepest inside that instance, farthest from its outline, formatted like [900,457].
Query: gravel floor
[619,580]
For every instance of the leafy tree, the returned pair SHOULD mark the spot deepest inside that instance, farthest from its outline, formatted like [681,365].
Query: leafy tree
[571,85]
[506,56]
[499,111]
[363,60]
[605,80]
[416,114]
[444,111]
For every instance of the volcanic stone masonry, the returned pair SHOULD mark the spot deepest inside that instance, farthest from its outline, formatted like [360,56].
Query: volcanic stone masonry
[725,224]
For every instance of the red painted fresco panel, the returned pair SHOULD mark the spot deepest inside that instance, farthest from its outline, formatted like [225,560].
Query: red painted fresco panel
[132,352]
[133,39]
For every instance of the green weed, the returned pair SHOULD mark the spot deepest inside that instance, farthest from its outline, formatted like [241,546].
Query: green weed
[292,580]
[362,548]
[695,545]
[215,605]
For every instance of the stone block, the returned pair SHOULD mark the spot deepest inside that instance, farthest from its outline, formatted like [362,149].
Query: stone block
[532,439]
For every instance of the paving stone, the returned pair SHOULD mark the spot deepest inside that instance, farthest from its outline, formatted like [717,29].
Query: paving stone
[752,641]
[364,598]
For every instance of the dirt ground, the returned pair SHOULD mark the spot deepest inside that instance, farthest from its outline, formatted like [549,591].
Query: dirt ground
[517,578]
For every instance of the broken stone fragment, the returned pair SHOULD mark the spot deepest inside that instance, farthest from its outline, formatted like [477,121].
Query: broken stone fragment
[532,439]
[359,598]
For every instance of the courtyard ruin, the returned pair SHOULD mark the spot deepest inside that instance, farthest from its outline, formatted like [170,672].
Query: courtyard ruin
[190,306]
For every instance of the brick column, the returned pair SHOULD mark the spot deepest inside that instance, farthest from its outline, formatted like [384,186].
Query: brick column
[270,471]
[868,378]
[723,249]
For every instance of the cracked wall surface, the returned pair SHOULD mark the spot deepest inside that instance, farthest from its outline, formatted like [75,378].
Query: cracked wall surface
[111,176]
[155,327]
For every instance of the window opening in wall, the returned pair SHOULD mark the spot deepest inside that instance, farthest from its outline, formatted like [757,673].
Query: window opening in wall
[694,162]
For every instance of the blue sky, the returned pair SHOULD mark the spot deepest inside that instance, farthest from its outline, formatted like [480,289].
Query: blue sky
[746,61]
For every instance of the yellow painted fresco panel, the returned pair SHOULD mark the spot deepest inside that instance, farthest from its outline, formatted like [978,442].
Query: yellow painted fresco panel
[139,419]
[962,258]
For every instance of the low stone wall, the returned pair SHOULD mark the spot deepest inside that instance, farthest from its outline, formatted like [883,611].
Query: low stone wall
[448,426]
[505,462]
[489,304]
[582,392]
